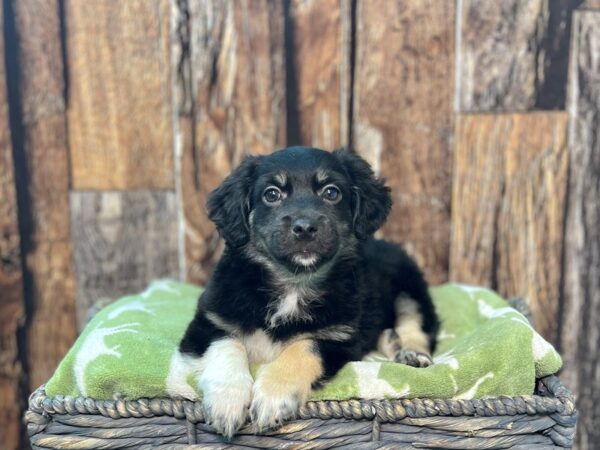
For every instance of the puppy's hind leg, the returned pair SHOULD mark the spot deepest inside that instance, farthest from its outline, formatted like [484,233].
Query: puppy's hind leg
[407,343]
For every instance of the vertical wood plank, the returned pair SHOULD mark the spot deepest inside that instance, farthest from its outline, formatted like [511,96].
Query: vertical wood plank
[121,242]
[580,334]
[321,51]
[512,54]
[233,104]
[508,207]
[403,118]
[11,278]
[591,4]
[49,281]
[476,197]
[120,107]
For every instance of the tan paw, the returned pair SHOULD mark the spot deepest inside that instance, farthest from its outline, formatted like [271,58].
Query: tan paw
[413,358]
[273,405]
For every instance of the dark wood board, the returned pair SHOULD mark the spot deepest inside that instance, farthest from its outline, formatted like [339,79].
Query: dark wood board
[12,314]
[121,242]
[49,283]
[512,54]
[580,319]
[403,118]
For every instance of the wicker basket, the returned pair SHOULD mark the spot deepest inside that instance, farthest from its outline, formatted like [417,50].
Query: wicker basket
[542,421]
[545,420]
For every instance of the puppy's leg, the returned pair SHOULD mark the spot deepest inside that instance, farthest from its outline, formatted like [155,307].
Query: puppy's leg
[226,385]
[407,343]
[283,385]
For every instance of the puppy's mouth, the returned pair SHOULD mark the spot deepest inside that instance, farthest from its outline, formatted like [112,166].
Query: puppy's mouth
[305,258]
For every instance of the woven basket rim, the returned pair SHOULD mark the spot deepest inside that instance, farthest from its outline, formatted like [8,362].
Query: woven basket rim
[552,398]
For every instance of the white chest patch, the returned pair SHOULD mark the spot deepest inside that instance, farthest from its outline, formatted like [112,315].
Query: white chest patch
[260,347]
[290,307]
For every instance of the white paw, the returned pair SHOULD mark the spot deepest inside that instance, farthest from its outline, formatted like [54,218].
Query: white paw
[273,405]
[226,406]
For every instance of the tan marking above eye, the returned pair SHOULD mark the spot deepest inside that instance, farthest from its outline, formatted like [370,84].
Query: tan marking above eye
[321,176]
[280,178]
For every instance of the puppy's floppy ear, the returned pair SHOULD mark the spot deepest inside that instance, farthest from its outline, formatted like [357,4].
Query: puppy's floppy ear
[229,204]
[371,200]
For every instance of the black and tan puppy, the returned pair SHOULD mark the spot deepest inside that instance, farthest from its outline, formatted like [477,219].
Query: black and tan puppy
[302,287]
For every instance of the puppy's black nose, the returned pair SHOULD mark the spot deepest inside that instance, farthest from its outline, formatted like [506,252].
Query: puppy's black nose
[304,229]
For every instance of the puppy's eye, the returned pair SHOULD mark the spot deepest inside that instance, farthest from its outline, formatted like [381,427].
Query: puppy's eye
[272,195]
[331,193]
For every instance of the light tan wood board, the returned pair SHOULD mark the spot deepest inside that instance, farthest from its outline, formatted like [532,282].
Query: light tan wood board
[230,101]
[120,108]
[580,338]
[508,207]
[51,288]
[403,118]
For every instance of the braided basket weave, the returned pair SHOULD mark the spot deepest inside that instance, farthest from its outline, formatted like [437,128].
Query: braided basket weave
[542,421]
[545,420]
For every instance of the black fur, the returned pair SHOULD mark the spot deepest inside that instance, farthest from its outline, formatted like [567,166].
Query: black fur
[355,280]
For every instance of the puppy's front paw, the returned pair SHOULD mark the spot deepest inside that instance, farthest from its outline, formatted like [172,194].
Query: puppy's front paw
[273,404]
[226,406]
[413,358]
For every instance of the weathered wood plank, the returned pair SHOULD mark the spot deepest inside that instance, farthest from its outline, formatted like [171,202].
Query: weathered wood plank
[591,4]
[508,207]
[121,242]
[476,196]
[321,63]
[11,279]
[49,281]
[580,334]
[512,54]
[231,101]
[120,112]
[403,118]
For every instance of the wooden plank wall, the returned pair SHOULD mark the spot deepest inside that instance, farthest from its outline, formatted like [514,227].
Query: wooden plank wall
[123,116]
[405,52]
[12,307]
[320,63]
[508,207]
[234,94]
[120,142]
[579,330]
[44,181]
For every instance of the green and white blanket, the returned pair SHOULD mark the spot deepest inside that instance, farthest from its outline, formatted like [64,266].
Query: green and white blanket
[485,349]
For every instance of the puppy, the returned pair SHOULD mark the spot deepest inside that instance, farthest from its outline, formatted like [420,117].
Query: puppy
[302,287]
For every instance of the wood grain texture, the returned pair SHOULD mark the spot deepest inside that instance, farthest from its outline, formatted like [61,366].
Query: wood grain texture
[232,104]
[591,4]
[512,54]
[49,283]
[580,334]
[403,117]
[12,314]
[508,207]
[122,241]
[321,63]
[120,112]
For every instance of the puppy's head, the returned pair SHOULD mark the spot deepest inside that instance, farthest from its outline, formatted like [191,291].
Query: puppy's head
[300,207]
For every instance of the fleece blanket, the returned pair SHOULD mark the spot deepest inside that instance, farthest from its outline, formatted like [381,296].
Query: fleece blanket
[486,348]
